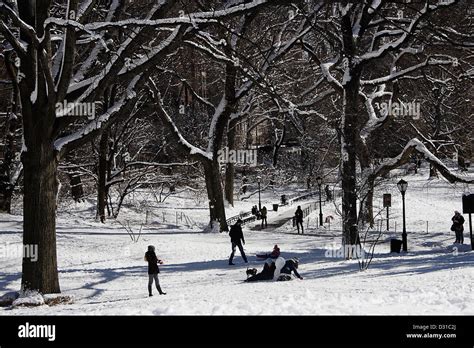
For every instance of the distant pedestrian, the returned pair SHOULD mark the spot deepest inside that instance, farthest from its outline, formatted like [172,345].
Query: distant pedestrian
[457,227]
[308,182]
[263,214]
[328,193]
[299,219]
[153,270]
[237,238]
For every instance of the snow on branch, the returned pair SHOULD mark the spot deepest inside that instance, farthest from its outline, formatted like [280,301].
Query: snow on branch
[190,19]
[404,157]
[97,124]
[431,61]
[169,123]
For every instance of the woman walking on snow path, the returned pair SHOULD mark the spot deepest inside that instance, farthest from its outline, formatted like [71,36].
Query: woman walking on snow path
[153,270]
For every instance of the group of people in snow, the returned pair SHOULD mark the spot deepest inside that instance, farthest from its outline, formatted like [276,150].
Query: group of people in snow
[261,215]
[275,266]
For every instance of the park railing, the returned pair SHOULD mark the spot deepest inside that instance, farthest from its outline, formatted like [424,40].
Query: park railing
[246,217]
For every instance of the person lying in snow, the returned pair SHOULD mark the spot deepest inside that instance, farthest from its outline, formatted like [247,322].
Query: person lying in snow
[153,270]
[291,265]
[273,255]
[265,274]
[279,270]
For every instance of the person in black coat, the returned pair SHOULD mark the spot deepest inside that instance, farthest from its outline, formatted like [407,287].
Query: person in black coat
[291,265]
[458,228]
[265,274]
[153,270]
[237,238]
[299,219]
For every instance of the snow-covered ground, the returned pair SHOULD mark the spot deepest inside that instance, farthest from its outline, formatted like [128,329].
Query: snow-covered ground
[104,270]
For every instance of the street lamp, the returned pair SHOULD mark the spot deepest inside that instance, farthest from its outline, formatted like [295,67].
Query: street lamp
[402,187]
[259,201]
[319,180]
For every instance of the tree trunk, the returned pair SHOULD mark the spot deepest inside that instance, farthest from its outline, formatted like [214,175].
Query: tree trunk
[215,194]
[277,145]
[39,218]
[348,154]
[366,214]
[230,167]
[102,176]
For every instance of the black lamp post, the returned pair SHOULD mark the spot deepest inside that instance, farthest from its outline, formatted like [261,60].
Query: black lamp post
[402,187]
[319,180]
[259,201]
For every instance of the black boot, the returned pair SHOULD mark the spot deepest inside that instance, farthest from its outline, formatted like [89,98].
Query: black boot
[160,291]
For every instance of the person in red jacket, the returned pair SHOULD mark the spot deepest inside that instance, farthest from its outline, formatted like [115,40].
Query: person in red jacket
[273,255]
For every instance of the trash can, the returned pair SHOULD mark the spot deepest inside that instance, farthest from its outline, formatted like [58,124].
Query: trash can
[275,207]
[395,245]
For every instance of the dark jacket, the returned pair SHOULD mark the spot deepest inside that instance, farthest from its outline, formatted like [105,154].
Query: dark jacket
[153,261]
[236,234]
[458,221]
[265,274]
[264,212]
[290,267]
[299,215]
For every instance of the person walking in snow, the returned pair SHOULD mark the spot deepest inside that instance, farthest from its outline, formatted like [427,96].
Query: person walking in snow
[457,227]
[299,219]
[153,270]
[237,238]
[263,213]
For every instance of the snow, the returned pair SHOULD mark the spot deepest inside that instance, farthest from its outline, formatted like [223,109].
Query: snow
[29,298]
[104,271]
[375,4]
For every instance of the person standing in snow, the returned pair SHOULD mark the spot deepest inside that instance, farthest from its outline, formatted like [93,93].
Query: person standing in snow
[299,219]
[153,270]
[457,227]
[236,236]
[263,214]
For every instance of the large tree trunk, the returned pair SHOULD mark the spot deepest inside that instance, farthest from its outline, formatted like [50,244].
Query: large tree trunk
[277,145]
[366,210]
[102,176]
[215,194]
[230,167]
[39,217]
[348,154]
